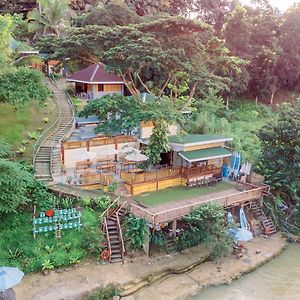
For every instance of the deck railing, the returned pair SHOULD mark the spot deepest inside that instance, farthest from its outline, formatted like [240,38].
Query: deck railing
[199,171]
[178,212]
[99,141]
[165,173]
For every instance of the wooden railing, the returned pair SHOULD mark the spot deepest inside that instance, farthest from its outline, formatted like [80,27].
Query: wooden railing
[178,212]
[198,171]
[94,178]
[120,229]
[107,238]
[105,213]
[100,141]
[150,176]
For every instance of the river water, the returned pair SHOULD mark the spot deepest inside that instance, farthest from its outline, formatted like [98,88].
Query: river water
[279,279]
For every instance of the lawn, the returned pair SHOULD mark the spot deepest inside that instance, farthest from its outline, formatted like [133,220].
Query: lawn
[179,193]
[16,122]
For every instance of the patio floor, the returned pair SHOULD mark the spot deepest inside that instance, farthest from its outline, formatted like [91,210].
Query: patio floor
[180,193]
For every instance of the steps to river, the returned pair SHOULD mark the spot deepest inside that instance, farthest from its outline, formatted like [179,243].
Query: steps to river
[46,155]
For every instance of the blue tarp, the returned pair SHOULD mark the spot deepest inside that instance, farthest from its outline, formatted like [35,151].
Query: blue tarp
[240,234]
[9,277]
[243,219]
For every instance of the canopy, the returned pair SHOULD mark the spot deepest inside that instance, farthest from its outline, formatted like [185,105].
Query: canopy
[9,277]
[240,234]
[204,154]
[129,149]
[108,151]
[84,155]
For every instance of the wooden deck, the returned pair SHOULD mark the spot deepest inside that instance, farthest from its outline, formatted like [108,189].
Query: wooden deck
[175,210]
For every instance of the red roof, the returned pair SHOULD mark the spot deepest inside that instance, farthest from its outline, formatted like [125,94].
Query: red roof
[95,74]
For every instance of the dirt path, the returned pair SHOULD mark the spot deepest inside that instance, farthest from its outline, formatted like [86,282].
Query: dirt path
[76,283]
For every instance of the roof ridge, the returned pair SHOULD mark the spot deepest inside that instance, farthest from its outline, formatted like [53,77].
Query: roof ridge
[94,73]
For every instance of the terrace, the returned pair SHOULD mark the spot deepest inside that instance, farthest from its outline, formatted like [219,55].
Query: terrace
[171,204]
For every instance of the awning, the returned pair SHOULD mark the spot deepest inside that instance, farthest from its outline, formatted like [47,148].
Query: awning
[204,154]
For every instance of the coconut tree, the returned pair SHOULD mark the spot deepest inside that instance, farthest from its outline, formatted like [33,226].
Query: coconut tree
[50,18]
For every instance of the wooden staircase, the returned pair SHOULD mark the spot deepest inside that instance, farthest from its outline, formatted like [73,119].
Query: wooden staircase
[170,244]
[266,222]
[114,235]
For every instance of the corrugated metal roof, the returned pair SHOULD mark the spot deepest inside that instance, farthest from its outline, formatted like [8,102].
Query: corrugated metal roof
[95,74]
[197,138]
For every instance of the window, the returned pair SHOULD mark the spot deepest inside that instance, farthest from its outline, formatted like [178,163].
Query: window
[100,87]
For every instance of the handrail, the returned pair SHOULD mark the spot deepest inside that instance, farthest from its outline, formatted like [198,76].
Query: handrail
[110,206]
[46,133]
[120,234]
[108,240]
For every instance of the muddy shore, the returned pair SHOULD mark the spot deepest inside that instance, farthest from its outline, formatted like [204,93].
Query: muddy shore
[164,277]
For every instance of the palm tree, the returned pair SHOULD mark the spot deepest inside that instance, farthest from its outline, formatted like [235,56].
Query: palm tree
[50,18]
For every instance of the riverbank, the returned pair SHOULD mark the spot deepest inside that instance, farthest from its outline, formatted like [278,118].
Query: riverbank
[135,275]
[211,274]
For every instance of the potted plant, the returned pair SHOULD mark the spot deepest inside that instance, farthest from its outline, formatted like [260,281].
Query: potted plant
[20,151]
[69,179]
[47,266]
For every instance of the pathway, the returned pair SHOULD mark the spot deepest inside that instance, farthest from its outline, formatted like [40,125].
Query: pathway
[46,157]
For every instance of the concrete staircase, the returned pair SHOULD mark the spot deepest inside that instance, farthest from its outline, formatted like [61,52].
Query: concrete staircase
[46,157]
[114,235]
[266,222]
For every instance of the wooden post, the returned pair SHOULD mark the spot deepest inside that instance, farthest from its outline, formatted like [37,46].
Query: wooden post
[62,151]
[88,145]
[116,148]
[174,227]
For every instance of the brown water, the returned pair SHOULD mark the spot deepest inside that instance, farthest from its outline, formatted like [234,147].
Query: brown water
[277,280]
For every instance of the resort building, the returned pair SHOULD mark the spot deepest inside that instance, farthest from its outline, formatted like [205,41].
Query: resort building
[94,82]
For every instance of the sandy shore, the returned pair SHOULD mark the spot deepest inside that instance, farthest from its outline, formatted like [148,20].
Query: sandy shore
[148,278]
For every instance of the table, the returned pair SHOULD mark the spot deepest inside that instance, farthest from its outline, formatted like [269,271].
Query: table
[127,164]
[107,168]
[136,170]
[83,164]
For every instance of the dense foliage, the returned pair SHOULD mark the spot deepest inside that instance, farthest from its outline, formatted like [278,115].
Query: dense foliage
[136,231]
[280,161]
[206,224]
[15,184]
[20,85]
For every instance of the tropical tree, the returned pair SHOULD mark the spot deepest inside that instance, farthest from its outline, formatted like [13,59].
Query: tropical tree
[110,14]
[288,66]
[280,157]
[6,25]
[51,18]
[158,142]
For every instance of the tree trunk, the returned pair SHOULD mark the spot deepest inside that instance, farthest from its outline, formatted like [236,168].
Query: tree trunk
[272,98]
[256,99]
[227,103]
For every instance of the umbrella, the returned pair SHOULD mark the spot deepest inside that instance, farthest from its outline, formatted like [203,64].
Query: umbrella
[129,149]
[240,234]
[135,156]
[243,219]
[9,277]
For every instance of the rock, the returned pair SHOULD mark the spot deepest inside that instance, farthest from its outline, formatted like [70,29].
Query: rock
[116,298]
